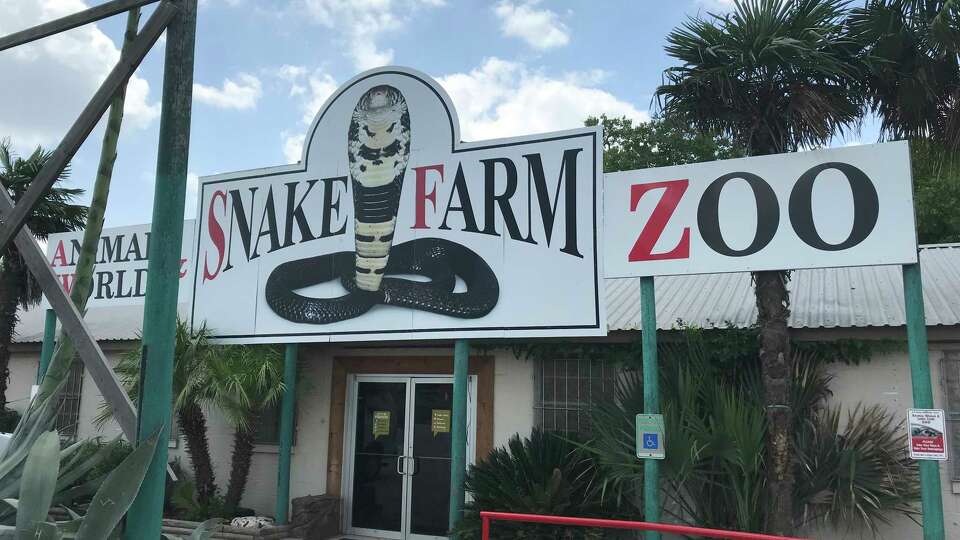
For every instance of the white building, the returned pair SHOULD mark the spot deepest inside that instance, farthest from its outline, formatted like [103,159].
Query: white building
[511,395]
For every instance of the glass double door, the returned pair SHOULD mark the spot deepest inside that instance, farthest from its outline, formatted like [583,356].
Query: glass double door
[399,469]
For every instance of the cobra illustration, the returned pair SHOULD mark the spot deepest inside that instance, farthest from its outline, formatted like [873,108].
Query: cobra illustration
[378,149]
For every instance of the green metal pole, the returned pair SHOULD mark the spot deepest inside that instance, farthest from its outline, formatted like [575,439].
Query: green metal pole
[651,399]
[144,519]
[286,432]
[458,450]
[49,338]
[930,494]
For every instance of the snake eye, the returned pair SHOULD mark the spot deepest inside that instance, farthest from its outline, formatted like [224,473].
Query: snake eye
[369,133]
[390,129]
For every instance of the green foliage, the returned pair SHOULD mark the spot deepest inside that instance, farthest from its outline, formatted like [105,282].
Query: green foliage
[910,53]
[657,143]
[855,476]
[542,474]
[8,420]
[41,478]
[936,187]
[244,380]
[188,506]
[773,75]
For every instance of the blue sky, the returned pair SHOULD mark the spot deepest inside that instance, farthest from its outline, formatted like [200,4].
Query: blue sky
[264,67]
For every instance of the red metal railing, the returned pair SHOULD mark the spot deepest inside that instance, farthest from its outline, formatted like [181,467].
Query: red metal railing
[488,517]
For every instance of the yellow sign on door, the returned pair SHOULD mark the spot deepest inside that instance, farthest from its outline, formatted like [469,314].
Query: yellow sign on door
[381,424]
[440,421]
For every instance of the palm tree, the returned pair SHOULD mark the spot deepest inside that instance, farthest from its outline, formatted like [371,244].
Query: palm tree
[911,51]
[242,382]
[775,76]
[190,380]
[56,212]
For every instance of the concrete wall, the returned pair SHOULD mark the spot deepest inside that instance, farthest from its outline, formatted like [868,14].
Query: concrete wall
[885,380]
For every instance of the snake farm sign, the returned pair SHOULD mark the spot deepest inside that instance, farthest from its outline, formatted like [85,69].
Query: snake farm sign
[391,228]
[841,207]
[120,269]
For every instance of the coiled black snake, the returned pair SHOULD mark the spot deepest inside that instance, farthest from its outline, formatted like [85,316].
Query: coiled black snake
[378,148]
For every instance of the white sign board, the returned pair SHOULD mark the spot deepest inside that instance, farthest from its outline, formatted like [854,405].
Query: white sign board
[391,228]
[926,432]
[840,207]
[120,271]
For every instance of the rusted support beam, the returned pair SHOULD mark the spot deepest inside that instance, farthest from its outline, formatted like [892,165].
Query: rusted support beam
[72,323]
[69,22]
[116,80]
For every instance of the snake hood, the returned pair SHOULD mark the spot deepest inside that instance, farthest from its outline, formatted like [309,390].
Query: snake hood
[378,146]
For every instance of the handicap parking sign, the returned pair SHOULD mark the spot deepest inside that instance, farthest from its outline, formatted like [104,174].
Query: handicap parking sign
[650,436]
[650,441]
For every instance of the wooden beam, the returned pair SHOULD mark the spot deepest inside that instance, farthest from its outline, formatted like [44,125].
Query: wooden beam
[115,81]
[72,323]
[69,22]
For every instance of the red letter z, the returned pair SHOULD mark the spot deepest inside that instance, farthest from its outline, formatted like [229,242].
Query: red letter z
[643,248]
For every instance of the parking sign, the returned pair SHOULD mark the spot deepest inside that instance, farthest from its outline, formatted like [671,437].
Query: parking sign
[650,442]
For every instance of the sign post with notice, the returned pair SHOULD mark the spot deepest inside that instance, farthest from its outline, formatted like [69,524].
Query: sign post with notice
[650,437]
[926,432]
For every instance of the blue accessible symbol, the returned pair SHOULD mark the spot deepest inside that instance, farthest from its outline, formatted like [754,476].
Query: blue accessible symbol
[650,441]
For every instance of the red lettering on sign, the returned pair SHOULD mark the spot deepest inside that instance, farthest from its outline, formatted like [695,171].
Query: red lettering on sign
[59,255]
[183,271]
[67,281]
[643,248]
[421,196]
[216,236]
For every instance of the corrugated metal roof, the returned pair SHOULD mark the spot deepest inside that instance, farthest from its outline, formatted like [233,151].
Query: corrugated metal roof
[859,297]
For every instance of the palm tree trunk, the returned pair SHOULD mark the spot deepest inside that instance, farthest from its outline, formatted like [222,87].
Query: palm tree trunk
[193,424]
[777,369]
[8,324]
[240,464]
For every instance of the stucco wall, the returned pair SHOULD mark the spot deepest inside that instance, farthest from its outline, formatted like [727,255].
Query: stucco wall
[885,380]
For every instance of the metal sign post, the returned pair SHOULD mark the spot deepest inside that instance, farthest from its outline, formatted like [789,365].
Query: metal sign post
[163,268]
[931,500]
[286,432]
[651,398]
[458,447]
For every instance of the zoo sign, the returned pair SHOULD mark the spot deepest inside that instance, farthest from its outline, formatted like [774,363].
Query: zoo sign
[392,228]
[841,207]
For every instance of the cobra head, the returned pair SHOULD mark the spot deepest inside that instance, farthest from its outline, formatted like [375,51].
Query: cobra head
[378,149]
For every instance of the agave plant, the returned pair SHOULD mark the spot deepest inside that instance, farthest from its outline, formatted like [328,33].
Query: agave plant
[40,484]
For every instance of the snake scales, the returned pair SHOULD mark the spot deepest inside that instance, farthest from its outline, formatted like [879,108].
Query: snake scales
[378,149]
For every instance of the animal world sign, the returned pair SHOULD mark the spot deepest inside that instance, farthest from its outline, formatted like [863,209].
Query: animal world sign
[391,228]
[120,269]
[841,207]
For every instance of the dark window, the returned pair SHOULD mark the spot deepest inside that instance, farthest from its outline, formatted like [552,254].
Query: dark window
[567,388]
[68,415]
[268,428]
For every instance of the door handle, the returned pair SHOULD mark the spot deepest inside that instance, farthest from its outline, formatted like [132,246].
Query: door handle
[400,470]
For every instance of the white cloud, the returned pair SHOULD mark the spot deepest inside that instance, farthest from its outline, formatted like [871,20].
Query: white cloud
[363,22]
[540,28]
[503,98]
[292,145]
[717,5]
[313,87]
[240,94]
[49,81]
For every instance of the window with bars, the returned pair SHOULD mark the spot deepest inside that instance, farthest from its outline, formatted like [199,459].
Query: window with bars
[68,415]
[567,388]
[950,377]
